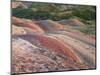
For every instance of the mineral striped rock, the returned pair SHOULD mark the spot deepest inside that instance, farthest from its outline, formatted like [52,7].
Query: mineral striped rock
[46,45]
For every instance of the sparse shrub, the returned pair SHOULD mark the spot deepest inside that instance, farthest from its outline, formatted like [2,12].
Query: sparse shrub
[85,12]
[89,28]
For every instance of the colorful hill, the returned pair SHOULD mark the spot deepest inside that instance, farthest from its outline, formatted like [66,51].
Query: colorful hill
[47,45]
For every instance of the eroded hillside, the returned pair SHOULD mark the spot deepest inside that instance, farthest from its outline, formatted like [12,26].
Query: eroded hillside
[48,45]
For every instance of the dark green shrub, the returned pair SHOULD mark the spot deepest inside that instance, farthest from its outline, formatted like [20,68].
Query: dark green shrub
[85,12]
[22,13]
[29,14]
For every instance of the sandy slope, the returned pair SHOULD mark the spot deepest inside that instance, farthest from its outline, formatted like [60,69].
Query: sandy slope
[47,45]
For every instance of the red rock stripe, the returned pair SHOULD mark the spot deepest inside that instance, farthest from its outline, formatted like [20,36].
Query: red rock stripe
[58,46]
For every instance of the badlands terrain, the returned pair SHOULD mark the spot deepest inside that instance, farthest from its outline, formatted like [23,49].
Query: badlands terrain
[48,45]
